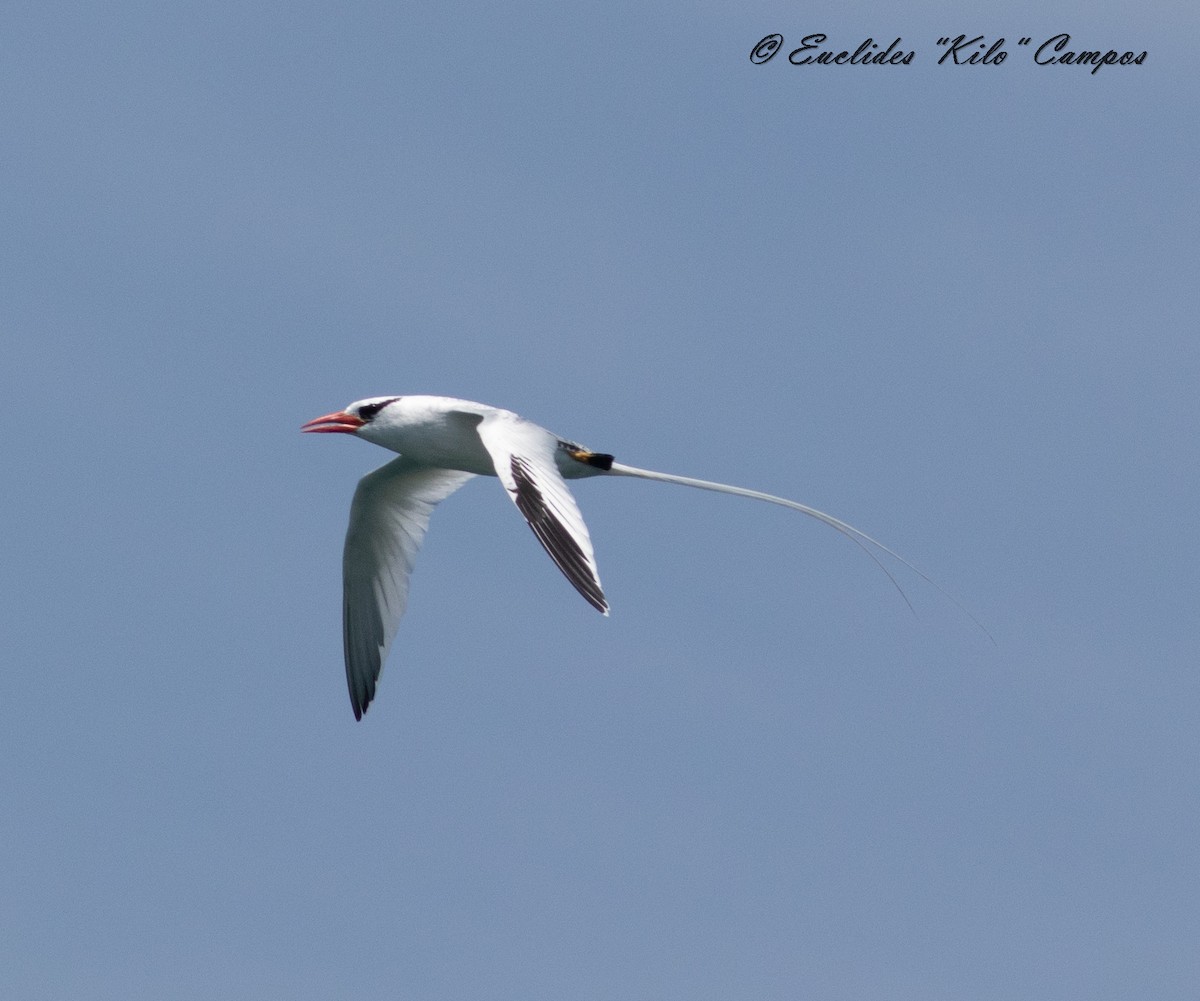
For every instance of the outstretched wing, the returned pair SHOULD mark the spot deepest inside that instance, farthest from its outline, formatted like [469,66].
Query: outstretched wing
[388,521]
[524,456]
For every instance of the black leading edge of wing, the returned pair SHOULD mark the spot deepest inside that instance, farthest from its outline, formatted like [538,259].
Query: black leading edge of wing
[555,538]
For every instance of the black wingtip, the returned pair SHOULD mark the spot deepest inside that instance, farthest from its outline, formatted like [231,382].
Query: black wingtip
[555,538]
[360,702]
[595,598]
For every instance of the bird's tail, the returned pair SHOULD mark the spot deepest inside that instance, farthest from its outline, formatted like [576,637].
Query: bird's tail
[855,535]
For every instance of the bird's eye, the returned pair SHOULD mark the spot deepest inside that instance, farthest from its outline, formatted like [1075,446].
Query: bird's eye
[371,409]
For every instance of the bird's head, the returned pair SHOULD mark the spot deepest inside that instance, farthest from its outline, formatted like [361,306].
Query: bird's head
[360,418]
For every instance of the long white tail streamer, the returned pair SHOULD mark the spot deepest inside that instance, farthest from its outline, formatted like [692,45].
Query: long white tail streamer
[855,535]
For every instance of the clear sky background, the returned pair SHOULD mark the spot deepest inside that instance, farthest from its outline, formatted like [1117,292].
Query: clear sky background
[954,306]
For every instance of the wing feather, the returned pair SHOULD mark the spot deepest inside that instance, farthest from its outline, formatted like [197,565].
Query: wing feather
[388,521]
[524,456]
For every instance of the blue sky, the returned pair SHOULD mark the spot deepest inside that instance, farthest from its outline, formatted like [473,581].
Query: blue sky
[954,306]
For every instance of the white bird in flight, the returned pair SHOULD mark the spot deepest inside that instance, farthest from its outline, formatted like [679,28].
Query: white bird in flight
[443,442]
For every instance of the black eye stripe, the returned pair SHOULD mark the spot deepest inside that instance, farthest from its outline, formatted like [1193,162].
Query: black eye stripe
[371,409]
